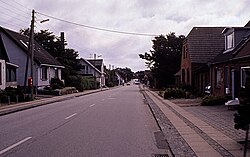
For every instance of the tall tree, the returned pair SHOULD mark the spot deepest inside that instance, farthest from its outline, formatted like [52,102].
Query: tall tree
[165,58]
[56,47]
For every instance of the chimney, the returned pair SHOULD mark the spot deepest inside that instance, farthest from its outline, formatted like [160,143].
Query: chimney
[63,40]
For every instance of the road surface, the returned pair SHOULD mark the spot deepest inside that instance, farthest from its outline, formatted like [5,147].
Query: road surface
[111,123]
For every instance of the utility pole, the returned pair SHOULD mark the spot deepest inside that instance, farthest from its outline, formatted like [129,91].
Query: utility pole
[32,53]
[94,70]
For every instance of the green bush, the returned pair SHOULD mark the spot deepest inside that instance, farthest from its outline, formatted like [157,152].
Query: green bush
[161,93]
[12,93]
[75,81]
[174,93]
[213,100]
[56,83]
[82,83]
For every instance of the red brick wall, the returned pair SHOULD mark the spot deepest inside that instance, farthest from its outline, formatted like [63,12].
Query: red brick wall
[186,63]
[221,90]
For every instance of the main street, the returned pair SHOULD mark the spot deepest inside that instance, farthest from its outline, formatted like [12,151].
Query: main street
[116,122]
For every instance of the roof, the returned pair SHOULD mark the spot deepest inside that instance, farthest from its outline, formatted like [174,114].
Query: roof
[3,54]
[41,56]
[241,50]
[248,24]
[204,43]
[86,61]
[96,62]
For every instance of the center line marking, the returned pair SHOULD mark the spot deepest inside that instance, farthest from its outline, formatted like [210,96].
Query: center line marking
[92,105]
[14,145]
[71,116]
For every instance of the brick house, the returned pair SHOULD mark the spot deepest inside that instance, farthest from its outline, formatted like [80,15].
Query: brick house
[199,49]
[231,67]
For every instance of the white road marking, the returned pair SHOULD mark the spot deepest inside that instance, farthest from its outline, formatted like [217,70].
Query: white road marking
[14,145]
[92,105]
[111,98]
[71,116]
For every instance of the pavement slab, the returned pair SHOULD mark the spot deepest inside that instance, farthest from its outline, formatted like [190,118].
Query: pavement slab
[202,137]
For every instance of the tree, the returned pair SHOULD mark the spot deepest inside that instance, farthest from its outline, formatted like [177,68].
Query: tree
[242,117]
[56,47]
[165,58]
[126,73]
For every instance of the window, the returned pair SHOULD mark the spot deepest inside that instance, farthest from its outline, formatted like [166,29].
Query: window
[186,50]
[245,72]
[86,69]
[10,74]
[188,76]
[44,73]
[226,80]
[56,73]
[229,41]
[183,75]
[218,78]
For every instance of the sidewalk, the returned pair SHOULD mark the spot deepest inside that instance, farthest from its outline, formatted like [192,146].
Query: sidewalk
[195,136]
[31,104]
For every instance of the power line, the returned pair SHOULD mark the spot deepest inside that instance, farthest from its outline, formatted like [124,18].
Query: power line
[27,14]
[97,28]
[22,5]
[13,17]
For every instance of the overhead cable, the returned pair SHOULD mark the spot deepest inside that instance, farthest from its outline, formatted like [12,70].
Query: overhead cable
[97,28]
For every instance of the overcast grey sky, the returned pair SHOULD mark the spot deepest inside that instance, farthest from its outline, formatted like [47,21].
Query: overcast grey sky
[137,16]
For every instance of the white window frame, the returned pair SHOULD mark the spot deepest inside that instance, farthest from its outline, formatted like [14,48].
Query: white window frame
[229,41]
[46,76]
[243,80]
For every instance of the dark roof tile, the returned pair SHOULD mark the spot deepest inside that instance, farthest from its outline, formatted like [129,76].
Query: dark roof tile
[204,43]
[40,54]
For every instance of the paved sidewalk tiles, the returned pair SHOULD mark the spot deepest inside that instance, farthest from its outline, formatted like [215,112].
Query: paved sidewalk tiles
[203,139]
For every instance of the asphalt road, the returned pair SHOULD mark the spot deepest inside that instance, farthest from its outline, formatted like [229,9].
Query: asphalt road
[111,123]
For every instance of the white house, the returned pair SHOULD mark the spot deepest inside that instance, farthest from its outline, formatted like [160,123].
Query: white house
[14,49]
[93,68]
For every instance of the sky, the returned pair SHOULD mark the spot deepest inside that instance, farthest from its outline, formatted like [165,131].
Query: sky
[139,21]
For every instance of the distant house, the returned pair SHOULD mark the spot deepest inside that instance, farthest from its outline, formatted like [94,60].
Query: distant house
[93,68]
[119,78]
[231,67]
[14,52]
[199,49]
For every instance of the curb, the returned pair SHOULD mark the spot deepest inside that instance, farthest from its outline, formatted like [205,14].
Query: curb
[45,101]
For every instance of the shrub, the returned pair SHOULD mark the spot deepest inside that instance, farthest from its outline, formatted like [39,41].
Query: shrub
[75,81]
[213,100]
[82,83]
[12,93]
[174,93]
[56,83]
[161,93]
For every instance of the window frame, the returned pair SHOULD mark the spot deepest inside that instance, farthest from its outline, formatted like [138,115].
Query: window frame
[243,76]
[229,41]
[44,74]
[218,80]
[11,74]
